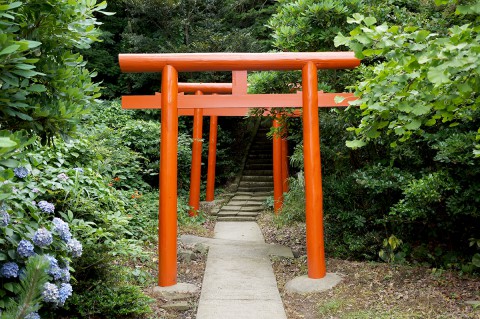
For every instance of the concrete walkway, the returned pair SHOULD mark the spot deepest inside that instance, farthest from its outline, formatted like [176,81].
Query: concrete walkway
[239,282]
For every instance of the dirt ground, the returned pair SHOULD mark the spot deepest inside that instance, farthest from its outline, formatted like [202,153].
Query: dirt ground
[371,290]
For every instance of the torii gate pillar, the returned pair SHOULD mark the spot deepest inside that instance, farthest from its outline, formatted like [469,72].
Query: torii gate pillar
[313,174]
[167,215]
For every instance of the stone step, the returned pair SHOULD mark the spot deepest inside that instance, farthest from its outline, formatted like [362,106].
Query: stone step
[255,184]
[241,197]
[259,161]
[256,194]
[236,219]
[260,167]
[260,172]
[233,208]
[255,178]
[261,150]
[255,189]
[256,156]
[245,213]
[252,209]
[226,213]
[255,201]
[259,155]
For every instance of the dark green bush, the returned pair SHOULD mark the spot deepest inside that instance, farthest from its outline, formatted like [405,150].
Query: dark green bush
[105,301]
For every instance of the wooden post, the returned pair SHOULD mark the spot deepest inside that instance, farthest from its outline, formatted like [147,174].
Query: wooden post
[167,218]
[277,168]
[196,167]
[313,174]
[212,158]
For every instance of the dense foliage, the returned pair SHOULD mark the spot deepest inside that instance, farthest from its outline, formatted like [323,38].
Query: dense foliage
[184,26]
[45,87]
[414,184]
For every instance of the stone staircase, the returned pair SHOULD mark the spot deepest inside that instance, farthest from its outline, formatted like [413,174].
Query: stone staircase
[256,183]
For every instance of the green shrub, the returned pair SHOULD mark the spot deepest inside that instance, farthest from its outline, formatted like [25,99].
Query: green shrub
[104,301]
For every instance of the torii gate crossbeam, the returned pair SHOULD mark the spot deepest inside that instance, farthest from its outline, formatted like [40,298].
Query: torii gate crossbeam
[169,65]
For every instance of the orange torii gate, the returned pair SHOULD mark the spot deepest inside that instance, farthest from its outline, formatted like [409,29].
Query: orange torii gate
[171,102]
[280,144]
[239,86]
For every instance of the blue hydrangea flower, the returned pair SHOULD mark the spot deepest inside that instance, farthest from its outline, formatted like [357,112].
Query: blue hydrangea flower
[25,248]
[78,169]
[50,293]
[75,247]
[46,207]
[64,292]
[32,315]
[20,172]
[42,237]
[62,229]
[4,219]
[35,190]
[65,274]
[54,270]
[62,176]
[9,270]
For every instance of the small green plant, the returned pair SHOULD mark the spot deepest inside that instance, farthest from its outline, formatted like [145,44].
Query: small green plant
[293,209]
[476,257]
[389,252]
[183,214]
[331,307]
[268,203]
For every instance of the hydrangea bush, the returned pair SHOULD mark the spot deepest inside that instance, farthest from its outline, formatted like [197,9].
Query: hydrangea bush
[29,229]
[56,205]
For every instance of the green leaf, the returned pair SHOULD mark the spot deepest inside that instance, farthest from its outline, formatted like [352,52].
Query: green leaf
[355,144]
[437,76]
[370,20]
[339,99]
[25,73]
[33,44]
[476,260]
[421,35]
[10,49]
[364,39]
[23,66]
[37,88]
[421,109]
[9,163]
[8,286]
[340,39]
[464,87]
[413,125]
[9,6]
[7,142]
[469,9]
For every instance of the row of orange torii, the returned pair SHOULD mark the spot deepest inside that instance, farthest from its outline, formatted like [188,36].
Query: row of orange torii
[232,100]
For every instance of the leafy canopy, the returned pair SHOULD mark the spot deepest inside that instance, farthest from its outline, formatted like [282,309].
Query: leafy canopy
[422,79]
